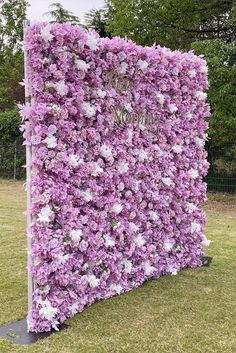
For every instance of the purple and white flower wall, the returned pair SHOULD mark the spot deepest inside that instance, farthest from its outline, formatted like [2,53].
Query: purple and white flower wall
[117,133]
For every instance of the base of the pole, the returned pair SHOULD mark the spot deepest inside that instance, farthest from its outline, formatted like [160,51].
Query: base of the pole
[16,332]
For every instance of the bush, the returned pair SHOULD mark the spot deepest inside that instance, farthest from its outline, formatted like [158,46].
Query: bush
[12,152]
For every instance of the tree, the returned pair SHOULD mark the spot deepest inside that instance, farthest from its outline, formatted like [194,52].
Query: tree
[221,59]
[60,15]
[12,15]
[98,19]
[173,23]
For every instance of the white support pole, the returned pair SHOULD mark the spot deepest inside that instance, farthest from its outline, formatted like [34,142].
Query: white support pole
[28,176]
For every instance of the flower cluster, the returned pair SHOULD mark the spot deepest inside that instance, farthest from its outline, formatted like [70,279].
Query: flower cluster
[113,203]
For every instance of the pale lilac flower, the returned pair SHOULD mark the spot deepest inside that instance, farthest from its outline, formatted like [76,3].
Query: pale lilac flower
[45,214]
[87,195]
[123,68]
[116,288]
[122,168]
[61,88]
[75,160]
[172,108]
[139,241]
[193,173]
[82,65]
[88,109]
[142,64]
[127,266]
[148,268]
[168,245]
[177,149]
[93,281]
[76,235]
[153,216]
[108,240]
[97,170]
[106,152]
[46,34]
[199,142]
[51,141]
[192,73]
[101,94]
[190,207]
[92,42]
[167,181]
[133,227]
[47,311]
[195,227]
[116,208]
[160,98]
[201,95]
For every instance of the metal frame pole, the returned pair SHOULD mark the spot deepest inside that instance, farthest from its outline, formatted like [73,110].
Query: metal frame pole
[28,175]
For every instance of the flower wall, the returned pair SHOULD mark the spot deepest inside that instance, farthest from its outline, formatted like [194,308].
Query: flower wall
[117,133]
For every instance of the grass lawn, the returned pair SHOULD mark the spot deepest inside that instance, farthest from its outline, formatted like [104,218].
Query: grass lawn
[194,312]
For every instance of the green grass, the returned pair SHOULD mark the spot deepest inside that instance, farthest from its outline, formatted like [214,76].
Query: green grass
[193,312]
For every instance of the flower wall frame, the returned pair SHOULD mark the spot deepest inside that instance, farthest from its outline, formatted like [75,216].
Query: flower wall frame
[117,134]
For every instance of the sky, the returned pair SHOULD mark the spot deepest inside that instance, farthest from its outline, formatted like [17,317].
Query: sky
[78,7]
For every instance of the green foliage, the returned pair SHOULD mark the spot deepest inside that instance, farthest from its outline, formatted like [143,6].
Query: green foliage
[12,153]
[60,15]
[221,59]
[98,19]
[172,23]
[12,15]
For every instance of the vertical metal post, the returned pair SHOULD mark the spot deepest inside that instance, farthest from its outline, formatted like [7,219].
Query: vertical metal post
[28,176]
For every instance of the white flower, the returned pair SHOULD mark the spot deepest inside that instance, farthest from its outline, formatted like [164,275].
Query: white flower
[44,289]
[116,208]
[89,109]
[130,134]
[168,245]
[74,160]
[74,308]
[148,268]
[133,227]
[82,65]
[46,34]
[139,241]
[177,149]
[122,168]
[160,98]
[121,186]
[51,141]
[97,170]
[142,155]
[47,311]
[192,73]
[167,181]
[93,281]
[189,116]
[116,288]
[86,194]
[153,216]
[92,42]
[172,270]
[128,107]
[63,258]
[61,88]
[76,235]
[100,93]
[123,68]
[200,95]
[195,227]
[45,214]
[193,173]
[199,142]
[190,207]
[108,240]
[142,64]
[172,108]
[106,152]
[203,69]
[127,266]
[56,109]
[205,241]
